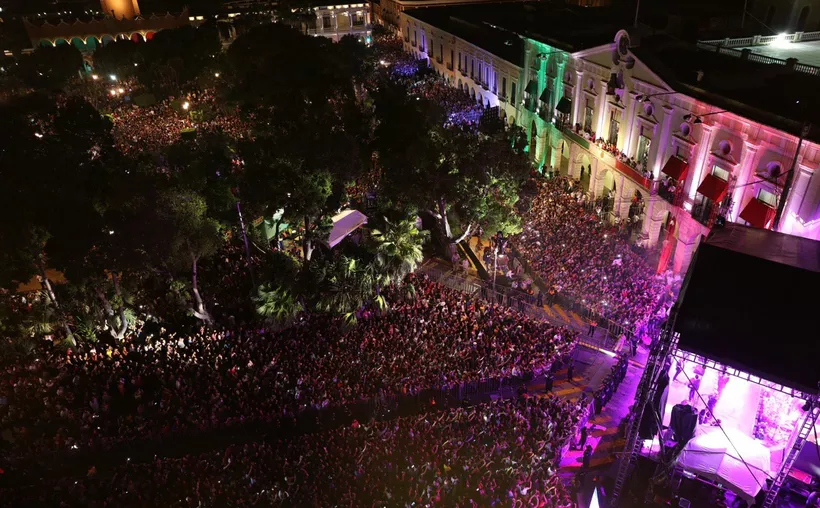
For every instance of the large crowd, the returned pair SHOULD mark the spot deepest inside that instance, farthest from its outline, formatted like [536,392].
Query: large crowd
[579,255]
[151,128]
[156,386]
[502,453]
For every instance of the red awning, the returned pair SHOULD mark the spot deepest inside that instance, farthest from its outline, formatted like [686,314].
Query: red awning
[713,188]
[676,168]
[758,214]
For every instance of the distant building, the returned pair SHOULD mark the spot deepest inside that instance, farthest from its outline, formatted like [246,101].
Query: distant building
[122,20]
[388,12]
[669,137]
[334,21]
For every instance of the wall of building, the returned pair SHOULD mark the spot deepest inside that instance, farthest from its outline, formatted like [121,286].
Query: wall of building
[747,153]
[336,21]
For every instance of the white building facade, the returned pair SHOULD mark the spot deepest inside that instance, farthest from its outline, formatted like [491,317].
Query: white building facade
[337,20]
[670,163]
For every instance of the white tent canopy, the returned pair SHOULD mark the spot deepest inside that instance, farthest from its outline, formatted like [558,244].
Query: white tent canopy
[345,223]
[712,455]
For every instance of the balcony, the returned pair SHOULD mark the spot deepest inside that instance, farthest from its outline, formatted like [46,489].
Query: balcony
[450,66]
[674,198]
[485,86]
[632,173]
[502,98]
[576,138]
[439,59]
[705,213]
[463,72]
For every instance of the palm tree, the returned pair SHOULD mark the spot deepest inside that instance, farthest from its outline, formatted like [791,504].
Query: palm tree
[350,287]
[278,306]
[398,248]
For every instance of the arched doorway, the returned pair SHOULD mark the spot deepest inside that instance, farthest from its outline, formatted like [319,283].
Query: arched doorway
[585,172]
[533,146]
[608,194]
[667,243]
[804,15]
[107,39]
[636,213]
[136,37]
[769,15]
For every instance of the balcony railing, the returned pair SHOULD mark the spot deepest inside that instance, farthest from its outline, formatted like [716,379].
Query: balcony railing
[450,66]
[674,198]
[502,98]
[705,213]
[485,86]
[576,138]
[632,173]
[463,72]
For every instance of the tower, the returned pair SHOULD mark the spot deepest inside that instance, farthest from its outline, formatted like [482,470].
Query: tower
[120,9]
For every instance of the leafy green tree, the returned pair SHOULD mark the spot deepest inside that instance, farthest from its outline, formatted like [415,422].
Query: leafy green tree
[191,235]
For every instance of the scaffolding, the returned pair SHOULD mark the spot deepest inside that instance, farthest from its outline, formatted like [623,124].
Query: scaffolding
[646,393]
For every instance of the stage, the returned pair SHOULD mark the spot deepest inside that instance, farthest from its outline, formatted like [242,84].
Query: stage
[756,417]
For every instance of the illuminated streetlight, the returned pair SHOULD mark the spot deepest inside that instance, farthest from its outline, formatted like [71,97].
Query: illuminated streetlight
[95,77]
[121,90]
[186,105]
[216,74]
[112,77]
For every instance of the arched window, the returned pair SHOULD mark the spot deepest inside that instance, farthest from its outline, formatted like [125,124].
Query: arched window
[769,15]
[804,15]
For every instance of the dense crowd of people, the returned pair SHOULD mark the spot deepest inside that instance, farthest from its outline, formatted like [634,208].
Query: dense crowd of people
[502,453]
[159,385]
[576,253]
[151,128]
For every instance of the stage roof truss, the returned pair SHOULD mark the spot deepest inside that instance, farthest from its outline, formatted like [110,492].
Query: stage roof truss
[706,362]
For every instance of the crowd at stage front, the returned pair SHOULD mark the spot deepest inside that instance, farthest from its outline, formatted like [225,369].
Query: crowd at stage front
[574,251]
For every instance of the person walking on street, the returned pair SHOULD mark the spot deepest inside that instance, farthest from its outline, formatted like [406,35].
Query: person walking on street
[548,382]
[587,457]
[592,325]
[584,435]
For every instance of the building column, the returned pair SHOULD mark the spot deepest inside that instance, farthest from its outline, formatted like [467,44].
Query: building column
[599,131]
[747,165]
[663,142]
[703,153]
[683,254]
[630,121]
[579,94]
[795,198]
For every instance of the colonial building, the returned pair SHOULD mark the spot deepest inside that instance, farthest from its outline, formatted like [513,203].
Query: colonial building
[334,21]
[121,19]
[669,137]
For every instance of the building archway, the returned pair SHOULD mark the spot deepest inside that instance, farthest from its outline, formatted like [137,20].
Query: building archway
[91,43]
[635,218]
[106,40]
[136,37]
[149,35]
[770,15]
[78,43]
[804,15]
[609,192]
[472,93]
[61,42]
[585,172]
[45,43]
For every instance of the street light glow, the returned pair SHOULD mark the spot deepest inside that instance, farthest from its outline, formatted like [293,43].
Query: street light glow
[186,105]
[112,77]
[216,74]
[95,77]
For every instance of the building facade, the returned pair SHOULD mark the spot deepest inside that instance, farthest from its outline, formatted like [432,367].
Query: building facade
[334,21]
[671,164]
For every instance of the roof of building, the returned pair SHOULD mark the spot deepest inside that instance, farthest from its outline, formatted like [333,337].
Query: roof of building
[495,26]
[771,94]
[807,52]
[747,301]
[500,43]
